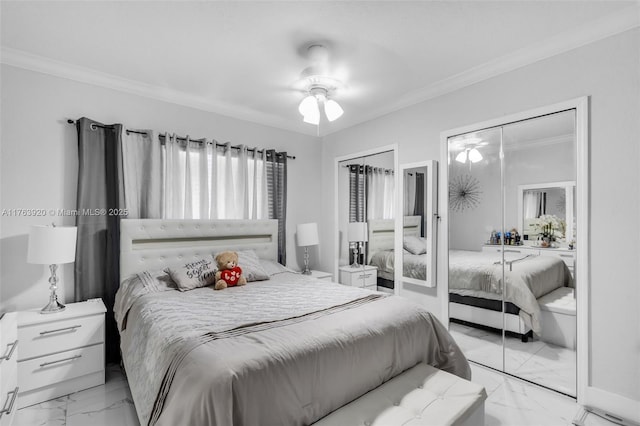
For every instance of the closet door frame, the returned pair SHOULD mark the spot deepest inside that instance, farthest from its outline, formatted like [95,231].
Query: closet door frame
[581,106]
[336,198]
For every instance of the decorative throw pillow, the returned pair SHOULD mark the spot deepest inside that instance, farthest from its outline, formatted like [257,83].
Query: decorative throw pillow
[250,263]
[198,273]
[415,245]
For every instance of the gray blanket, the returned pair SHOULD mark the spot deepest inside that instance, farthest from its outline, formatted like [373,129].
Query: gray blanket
[413,265]
[286,351]
[527,277]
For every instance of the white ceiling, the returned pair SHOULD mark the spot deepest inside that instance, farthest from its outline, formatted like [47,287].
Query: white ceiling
[243,58]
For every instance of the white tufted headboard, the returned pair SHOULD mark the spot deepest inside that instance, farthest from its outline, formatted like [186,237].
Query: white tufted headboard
[151,244]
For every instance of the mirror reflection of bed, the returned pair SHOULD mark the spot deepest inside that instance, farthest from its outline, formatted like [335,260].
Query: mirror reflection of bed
[381,253]
[512,221]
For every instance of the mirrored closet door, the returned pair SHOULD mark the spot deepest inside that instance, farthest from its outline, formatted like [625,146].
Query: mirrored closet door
[366,221]
[512,248]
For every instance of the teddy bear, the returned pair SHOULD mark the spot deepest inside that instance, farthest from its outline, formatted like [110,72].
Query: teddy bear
[229,274]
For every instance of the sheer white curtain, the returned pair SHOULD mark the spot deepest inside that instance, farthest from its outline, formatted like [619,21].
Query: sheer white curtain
[389,196]
[142,174]
[203,181]
[380,193]
[534,204]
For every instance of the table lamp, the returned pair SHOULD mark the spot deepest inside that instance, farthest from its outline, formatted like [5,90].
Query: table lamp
[357,232]
[307,236]
[52,245]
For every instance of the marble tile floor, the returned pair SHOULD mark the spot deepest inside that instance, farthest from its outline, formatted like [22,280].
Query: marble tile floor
[107,405]
[542,363]
[510,402]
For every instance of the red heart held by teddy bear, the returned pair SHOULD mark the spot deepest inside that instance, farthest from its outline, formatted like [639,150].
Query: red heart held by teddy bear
[231,276]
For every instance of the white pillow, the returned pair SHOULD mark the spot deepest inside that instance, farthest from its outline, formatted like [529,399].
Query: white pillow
[415,245]
[272,267]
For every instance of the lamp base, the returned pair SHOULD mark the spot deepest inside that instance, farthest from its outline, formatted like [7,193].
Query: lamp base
[306,270]
[53,307]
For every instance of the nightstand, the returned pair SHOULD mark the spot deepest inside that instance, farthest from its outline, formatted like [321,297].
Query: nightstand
[324,276]
[60,353]
[8,368]
[365,276]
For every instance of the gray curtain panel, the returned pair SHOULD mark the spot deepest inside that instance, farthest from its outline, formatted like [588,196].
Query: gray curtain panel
[418,210]
[277,197]
[100,190]
[358,202]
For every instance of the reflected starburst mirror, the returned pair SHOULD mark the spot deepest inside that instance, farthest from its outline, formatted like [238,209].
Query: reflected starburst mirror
[464,193]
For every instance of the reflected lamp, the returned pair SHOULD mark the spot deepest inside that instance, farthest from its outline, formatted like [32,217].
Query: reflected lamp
[357,234]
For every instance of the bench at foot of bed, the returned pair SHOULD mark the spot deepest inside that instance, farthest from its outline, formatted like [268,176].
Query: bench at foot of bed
[422,395]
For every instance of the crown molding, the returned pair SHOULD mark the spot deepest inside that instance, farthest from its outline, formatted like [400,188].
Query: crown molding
[623,20]
[44,65]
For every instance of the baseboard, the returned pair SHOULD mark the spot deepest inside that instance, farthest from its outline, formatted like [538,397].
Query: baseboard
[620,409]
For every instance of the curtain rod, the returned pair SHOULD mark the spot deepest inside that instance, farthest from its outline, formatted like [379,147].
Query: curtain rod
[348,166]
[164,135]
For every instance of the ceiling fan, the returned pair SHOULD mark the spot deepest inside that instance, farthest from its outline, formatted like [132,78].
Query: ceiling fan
[319,87]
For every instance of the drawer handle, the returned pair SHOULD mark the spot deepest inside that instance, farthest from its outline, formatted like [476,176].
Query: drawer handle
[13,345]
[567,255]
[364,276]
[72,328]
[44,364]
[13,400]
[512,251]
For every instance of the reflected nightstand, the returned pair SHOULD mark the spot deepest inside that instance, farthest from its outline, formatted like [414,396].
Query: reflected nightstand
[364,276]
[324,276]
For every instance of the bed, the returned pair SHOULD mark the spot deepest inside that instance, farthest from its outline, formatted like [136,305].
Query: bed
[476,282]
[288,350]
[381,252]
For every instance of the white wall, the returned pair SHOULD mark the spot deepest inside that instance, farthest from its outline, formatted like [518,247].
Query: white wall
[609,72]
[38,162]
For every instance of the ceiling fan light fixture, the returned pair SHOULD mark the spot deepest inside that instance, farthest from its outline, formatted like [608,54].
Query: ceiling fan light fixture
[319,85]
[333,110]
[462,157]
[308,106]
[474,155]
[312,119]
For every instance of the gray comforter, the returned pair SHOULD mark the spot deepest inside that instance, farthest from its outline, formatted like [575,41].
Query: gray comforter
[527,277]
[413,265]
[287,351]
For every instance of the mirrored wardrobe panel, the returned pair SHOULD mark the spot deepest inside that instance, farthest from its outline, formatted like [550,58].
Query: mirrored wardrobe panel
[366,221]
[512,259]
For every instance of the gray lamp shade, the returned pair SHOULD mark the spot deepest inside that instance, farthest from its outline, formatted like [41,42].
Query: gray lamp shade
[52,245]
[357,231]
[308,234]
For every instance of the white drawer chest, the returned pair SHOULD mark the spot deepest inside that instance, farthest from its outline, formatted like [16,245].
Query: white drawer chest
[8,368]
[568,256]
[365,276]
[60,353]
